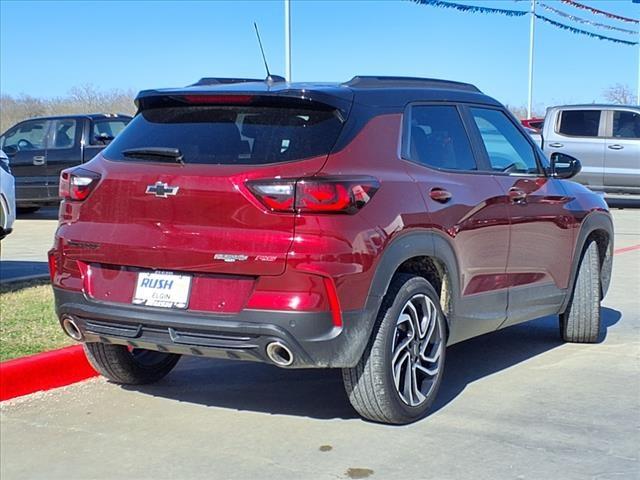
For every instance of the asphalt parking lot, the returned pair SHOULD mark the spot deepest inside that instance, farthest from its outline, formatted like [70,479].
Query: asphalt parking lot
[514,404]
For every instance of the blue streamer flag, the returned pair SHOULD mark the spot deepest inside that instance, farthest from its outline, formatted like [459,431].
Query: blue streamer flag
[520,13]
[583,32]
[471,8]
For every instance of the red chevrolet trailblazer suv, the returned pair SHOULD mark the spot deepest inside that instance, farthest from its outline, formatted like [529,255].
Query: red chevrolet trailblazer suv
[363,226]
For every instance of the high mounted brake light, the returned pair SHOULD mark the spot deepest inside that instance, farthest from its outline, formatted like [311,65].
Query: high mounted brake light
[218,99]
[77,183]
[315,195]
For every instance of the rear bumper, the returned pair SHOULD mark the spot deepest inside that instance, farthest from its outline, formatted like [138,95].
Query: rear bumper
[312,338]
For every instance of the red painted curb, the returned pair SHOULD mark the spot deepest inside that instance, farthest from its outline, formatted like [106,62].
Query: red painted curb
[626,249]
[44,371]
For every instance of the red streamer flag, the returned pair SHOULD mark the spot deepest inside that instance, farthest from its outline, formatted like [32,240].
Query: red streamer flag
[600,12]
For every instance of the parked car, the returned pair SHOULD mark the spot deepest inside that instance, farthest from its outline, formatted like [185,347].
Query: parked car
[606,140]
[40,148]
[7,197]
[362,226]
[534,123]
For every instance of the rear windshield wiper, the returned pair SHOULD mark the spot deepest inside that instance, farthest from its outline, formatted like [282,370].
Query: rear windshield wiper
[155,153]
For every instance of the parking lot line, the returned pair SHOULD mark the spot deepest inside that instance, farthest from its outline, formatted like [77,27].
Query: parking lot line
[626,249]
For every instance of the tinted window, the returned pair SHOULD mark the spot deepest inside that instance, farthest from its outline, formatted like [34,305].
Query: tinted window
[438,138]
[64,134]
[229,135]
[580,123]
[507,147]
[626,124]
[103,131]
[27,136]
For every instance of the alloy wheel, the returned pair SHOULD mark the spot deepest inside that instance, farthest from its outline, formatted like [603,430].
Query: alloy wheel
[416,350]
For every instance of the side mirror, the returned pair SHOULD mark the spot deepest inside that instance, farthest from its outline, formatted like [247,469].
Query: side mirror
[104,138]
[10,150]
[564,166]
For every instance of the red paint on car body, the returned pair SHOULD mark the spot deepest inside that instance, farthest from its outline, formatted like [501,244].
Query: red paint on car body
[249,249]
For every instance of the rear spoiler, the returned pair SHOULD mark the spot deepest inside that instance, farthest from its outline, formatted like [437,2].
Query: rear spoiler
[297,98]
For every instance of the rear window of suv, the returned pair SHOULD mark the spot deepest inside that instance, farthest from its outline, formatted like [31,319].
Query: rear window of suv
[231,134]
[626,124]
[580,123]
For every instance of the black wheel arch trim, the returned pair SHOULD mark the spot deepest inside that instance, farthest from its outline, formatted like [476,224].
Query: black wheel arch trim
[426,243]
[593,222]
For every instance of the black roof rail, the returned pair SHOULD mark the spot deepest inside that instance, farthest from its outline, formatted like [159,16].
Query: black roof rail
[364,81]
[222,81]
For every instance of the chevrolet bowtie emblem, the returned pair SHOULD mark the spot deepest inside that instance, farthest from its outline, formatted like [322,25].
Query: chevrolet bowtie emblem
[161,189]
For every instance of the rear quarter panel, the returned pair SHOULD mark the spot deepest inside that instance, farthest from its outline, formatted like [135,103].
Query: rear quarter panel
[348,247]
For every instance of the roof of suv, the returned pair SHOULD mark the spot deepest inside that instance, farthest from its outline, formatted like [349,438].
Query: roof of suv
[595,106]
[92,116]
[381,91]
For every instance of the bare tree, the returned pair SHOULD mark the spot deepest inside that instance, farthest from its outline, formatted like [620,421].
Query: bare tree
[82,99]
[620,94]
[521,111]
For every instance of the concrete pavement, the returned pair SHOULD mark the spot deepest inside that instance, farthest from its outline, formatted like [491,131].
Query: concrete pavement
[514,404]
[23,253]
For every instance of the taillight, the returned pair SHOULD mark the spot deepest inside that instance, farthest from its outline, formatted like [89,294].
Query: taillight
[77,183]
[277,196]
[315,195]
[53,265]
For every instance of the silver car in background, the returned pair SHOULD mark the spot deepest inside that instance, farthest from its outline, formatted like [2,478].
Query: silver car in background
[606,140]
[7,197]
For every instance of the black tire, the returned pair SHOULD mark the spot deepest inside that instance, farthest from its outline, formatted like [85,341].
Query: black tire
[370,384]
[129,367]
[580,323]
[27,210]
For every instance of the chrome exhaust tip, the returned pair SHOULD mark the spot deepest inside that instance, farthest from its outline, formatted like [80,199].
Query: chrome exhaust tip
[279,354]
[71,329]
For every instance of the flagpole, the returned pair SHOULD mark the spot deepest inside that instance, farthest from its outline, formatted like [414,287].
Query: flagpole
[532,27]
[638,86]
[287,39]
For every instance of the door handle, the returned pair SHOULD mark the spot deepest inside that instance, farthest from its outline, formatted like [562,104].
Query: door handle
[440,195]
[38,160]
[615,147]
[556,145]
[517,196]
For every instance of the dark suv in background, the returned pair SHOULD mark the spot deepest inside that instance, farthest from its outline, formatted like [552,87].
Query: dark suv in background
[40,148]
[362,226]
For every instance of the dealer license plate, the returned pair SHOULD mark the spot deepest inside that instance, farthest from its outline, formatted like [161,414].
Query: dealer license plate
[162,289]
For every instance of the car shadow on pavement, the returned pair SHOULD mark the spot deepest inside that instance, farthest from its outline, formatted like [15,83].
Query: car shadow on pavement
[44,213]
[618,202]
[319,393]
[258,387]
[482,356]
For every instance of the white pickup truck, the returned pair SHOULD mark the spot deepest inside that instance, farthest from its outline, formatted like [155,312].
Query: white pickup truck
[606,140]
